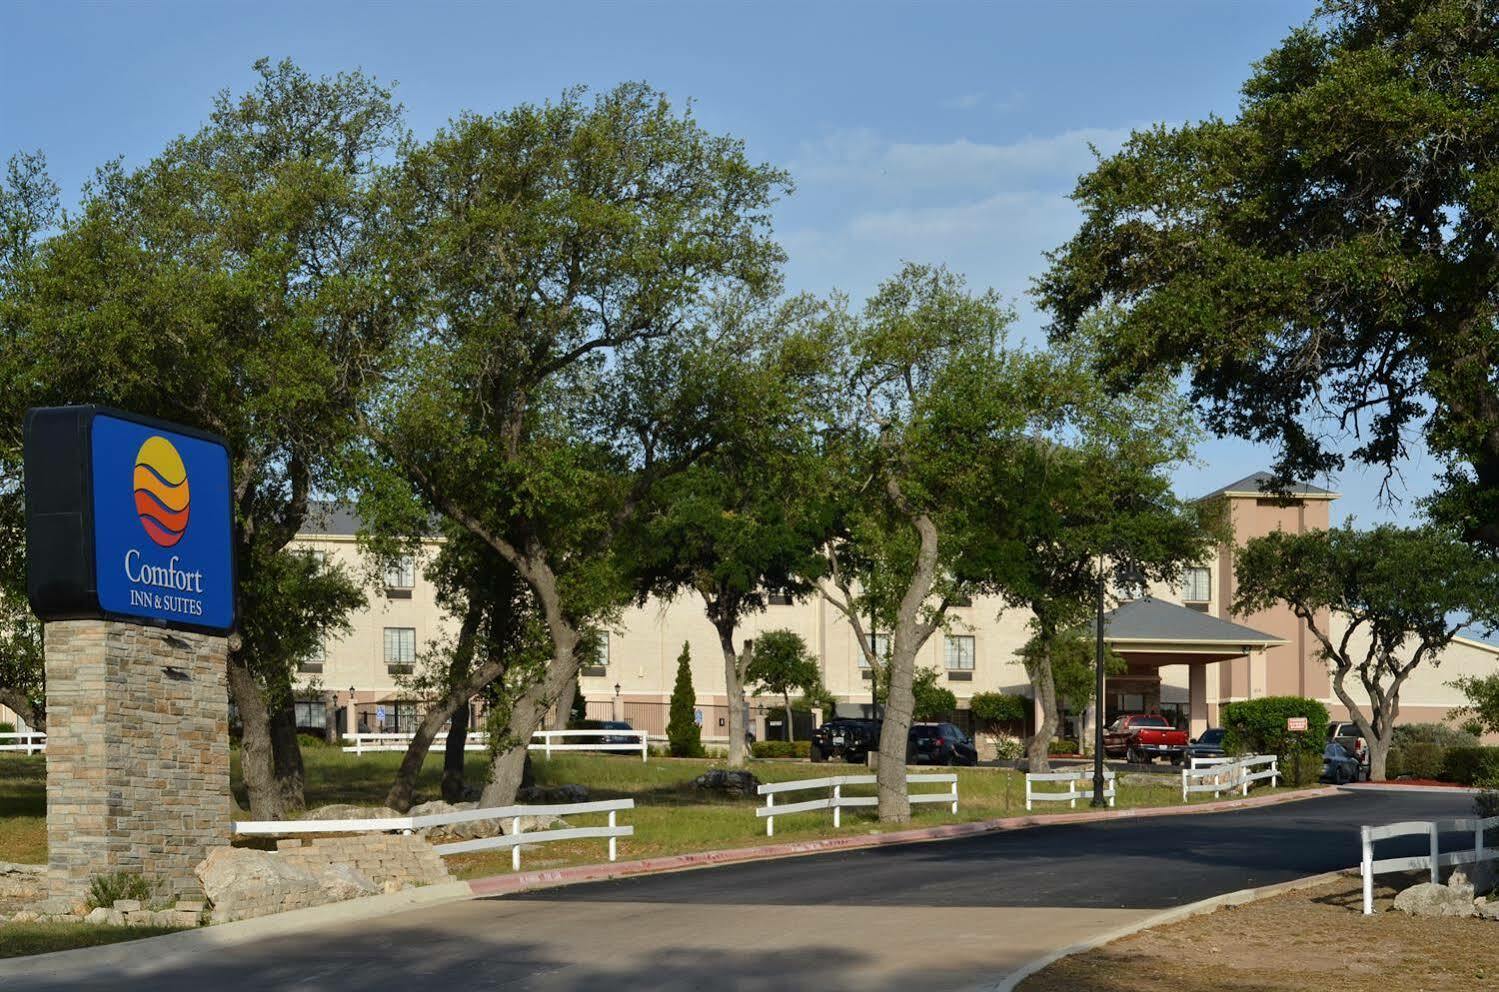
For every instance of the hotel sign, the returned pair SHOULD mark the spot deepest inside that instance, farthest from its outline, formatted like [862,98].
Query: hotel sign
[127,518]
[1296,724]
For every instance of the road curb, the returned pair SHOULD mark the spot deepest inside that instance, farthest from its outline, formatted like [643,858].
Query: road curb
[1212,904]
[495,885]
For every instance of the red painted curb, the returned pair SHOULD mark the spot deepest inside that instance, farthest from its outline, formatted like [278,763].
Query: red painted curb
[521,881]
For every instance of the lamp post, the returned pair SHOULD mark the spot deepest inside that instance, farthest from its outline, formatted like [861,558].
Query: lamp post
[616,701]
[352,719]
[1130,577]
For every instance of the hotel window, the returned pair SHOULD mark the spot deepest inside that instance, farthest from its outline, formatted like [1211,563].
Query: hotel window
[598,666]
[881,651]
[319,556]
[1197,586]
[958,656]
[779,597]
[400,576]
[312,662]
[311,715]
[400,649]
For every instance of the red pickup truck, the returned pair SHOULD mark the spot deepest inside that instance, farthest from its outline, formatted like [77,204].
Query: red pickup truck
[1141,739]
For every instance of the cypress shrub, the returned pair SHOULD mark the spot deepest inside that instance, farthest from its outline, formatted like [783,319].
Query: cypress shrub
[682,732]
[1425,760]
[1258,726]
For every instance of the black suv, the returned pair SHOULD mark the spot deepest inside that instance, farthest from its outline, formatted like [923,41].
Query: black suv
[940,744]
[847,738]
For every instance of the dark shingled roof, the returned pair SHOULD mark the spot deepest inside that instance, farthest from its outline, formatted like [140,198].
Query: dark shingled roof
[1151,619]
[1259,482]
[328,517]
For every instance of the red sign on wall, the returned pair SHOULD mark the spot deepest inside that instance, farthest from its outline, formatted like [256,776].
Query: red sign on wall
[1296,724]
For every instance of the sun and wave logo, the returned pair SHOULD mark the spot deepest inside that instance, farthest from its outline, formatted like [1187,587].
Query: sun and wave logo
[161,494]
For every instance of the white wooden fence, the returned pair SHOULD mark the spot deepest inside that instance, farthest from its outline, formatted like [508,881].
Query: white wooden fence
[1433,860]
[640,741]
[477,740]
[837,801]
[29,741]
[1072,793]
[1220,775]
[513,840]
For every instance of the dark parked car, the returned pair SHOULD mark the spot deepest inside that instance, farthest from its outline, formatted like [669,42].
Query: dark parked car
[848,738]
[1209,745]
[1346,733]
[618,738]
[941,744]
[1338,766]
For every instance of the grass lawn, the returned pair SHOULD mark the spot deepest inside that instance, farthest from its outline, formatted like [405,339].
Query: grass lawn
[1305,941]
[40,938]
[670,817]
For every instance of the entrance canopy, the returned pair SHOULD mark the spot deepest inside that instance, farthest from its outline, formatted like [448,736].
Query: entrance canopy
[1153,632]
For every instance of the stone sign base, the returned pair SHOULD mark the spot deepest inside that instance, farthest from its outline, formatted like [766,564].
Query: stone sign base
[137,754]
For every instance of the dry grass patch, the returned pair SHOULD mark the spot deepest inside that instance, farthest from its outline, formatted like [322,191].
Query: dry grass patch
[1306,941]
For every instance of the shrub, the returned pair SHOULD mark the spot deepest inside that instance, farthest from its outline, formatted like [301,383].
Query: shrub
[313,741]
[7,728]
[1486,804]
[781,749]
[1062,746]
[1007,748]
[1470,765]
[682,731]
[1258,726]
[992,710]
[1424,760]
[1439,734]
[105,889]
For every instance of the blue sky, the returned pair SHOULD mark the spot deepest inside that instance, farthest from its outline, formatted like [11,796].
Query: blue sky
[939,132]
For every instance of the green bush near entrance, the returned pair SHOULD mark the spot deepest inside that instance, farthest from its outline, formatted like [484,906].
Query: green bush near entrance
[1258,726]
[781,749]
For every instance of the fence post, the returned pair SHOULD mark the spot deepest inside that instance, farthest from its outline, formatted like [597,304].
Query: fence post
[644,749]
[1366,868]
[515,851]
[1111,788]
[770,821]
[1478,842]
[1244,777]
[546,740]
[1274,771]
[837,809]
[1027,793]
[955,794]
[613,841]
[1184,784]
[1072,787]
[1436,847]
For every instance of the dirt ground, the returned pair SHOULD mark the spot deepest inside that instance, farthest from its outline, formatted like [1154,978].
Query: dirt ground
[1314,939]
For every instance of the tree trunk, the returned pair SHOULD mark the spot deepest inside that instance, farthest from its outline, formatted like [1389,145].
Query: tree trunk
[564,707]
[790,727]
[464,684]
[1379,754]
[20,704]
[1038,757]
[895,734]
[733,667]
[452,757]
[330,724]
[256,761]
[286,752]
[507,769]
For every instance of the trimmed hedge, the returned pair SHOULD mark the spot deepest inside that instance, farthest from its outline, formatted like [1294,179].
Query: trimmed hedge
[1258,726]
[1062,746]
[781,749]
[1470,765]
[1423,760]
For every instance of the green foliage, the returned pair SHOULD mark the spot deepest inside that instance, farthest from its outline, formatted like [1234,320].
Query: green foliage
[781,664]
[1482,707]
[6,727]
[1394,762]
[1007,748]
[1470,766]
[781,749]
[993,712]
[682,731]
[931,700]
[1258,726]
[103,890]
[1486,803]
[1423,760]
[579,713]
[1062,745]
[1309,264]
[1433,733]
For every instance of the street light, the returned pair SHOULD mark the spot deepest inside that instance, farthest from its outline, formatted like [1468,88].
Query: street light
[1129,577]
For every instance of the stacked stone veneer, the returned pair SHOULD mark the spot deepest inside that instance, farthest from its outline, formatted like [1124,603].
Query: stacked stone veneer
[137,753]
[388,860]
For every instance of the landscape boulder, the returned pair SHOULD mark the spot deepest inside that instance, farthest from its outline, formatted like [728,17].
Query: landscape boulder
[731,782]
[553,794]
[1430,899]
[244,883]
[342,881]
[1484,877]
[21,885]
[474,829]
[343,811]
[1458,882]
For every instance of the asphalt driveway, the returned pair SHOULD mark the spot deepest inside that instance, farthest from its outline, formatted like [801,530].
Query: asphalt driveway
[946,915]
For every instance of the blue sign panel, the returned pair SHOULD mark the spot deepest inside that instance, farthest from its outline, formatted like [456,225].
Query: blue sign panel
[163,544]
